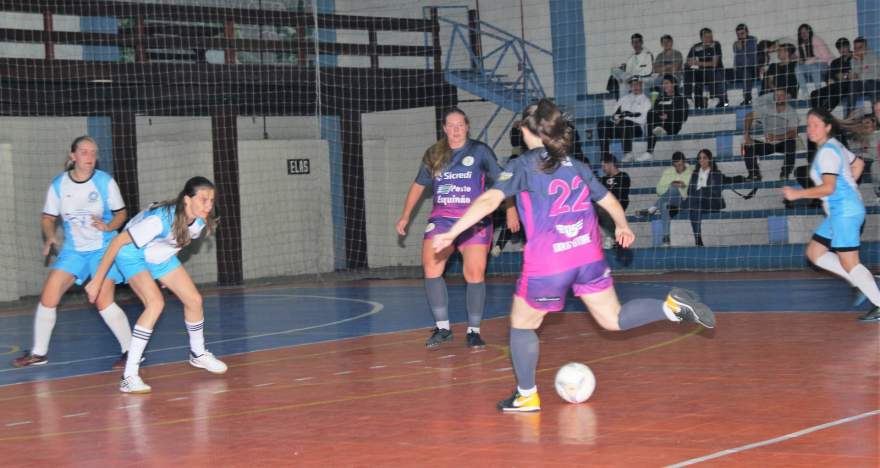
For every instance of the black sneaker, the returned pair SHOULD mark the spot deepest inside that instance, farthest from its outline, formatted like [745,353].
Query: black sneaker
[438,336]
[688,307]
[872,316]
[474,340]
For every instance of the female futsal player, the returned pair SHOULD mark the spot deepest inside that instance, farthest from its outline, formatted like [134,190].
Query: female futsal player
[147,251]
[835,245]
[91,210]
[456,167]
[563,250]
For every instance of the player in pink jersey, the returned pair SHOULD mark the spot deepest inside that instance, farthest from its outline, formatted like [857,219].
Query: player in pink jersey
[555,196]
[456,168]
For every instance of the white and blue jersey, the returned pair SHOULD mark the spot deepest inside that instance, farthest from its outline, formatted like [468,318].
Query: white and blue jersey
[77,204]
[844,209]
[153,246]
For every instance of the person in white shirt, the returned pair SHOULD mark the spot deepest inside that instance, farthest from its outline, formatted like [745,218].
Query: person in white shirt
[628,121]
[640,64]
[89,205]
[146,251]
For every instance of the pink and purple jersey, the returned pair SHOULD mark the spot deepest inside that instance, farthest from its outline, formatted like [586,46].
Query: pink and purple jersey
[556,211]
[462,181]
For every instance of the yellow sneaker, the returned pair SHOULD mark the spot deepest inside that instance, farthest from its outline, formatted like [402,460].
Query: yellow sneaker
[520,404]
[686,305]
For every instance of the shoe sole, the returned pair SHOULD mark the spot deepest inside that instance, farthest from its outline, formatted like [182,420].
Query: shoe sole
[703,314]
[477,346]
[866,319]
[530,409]
[209,370]
[136,392]
[32,364]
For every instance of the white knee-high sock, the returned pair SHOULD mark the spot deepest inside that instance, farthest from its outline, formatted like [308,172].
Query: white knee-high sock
[44,323]
[831,262]
[864,280]
[196,333]
[116,320]
[139,339]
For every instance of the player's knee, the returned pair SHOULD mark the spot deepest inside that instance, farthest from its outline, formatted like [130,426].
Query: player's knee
[194,302]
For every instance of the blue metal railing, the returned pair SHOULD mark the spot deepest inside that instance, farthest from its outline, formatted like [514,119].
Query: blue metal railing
[506,65]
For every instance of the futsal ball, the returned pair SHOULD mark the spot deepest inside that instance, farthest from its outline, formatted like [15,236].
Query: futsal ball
[575,382]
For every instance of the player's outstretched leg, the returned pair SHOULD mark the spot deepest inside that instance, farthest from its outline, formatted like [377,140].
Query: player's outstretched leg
[686,305]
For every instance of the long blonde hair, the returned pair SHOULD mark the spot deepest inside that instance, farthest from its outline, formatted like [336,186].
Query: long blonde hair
[179,226]
[438,155]
[70,163]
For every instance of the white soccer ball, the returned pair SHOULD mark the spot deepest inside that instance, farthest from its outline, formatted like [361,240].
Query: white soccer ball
[575,382]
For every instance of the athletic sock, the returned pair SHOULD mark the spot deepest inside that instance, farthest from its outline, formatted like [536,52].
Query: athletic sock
[44,323]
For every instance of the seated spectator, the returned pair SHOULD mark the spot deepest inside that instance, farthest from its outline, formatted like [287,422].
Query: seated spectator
[704,193]
[627,122]
[780,122]
[640,65]
[812,61]
[705,68]
[782,74]
[838,79]
[666,118]
[865,72]
[668,62]
[672,189]
[745,61]
[617,182]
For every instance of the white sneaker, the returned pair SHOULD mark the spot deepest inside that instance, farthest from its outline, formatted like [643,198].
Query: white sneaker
[496,251]
[645,157]
[629,157]
[659,131]
[208,362]
[133,384]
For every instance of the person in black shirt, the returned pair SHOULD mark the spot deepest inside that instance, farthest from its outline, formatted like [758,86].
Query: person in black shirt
[617,182]
[666,118]
[782,75]
[704,67]
[829,96]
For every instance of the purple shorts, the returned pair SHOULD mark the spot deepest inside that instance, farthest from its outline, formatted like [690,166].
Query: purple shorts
[478,234]
[547,293]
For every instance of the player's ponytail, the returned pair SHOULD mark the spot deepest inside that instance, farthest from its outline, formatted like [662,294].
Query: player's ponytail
[547,122]
[180,226]
[439,154]
[68,163]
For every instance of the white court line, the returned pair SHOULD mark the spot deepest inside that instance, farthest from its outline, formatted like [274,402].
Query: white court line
[129,406]
[377,307]
[18,423]
[179,398]
[301,379]
[504,369]
[75,415]
[413,362]
[743,448]
[264,384]
[448,356]
[345,372]
[380,366]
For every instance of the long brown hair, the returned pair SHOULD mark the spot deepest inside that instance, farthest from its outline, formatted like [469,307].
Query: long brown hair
[547,122]
[438,155]
[840,128]
[69,163]
[180,227]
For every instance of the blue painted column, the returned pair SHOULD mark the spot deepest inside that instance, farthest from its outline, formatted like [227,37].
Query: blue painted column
[868,14]
[570,70]
[330,131]
[98,127]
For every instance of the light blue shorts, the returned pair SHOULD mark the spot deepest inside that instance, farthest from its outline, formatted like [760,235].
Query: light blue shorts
[130,261]
[83,265]
[840,232]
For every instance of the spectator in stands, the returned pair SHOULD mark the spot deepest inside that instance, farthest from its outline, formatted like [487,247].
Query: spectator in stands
[640,65]
[666,118]
[812,60]
[838,80]
[628,121]
[780,122]
[745,61]
[617,182]
[865,71]
[704,193]
[782,74]
[766,56]
[705,68]
[668,62]
[672,189]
